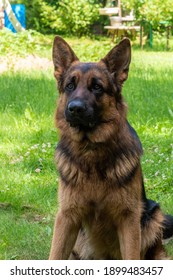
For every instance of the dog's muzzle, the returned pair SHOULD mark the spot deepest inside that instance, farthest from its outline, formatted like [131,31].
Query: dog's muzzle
[78,114]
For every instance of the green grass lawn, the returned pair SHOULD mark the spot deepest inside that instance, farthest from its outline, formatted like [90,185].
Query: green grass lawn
[28,178]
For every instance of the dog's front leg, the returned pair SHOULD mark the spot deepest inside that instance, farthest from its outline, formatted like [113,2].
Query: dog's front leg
[129,233]
[66,229]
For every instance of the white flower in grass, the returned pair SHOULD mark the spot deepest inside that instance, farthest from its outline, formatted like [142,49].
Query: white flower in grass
[37,170]
[43,145]
[161,155]
[43,150]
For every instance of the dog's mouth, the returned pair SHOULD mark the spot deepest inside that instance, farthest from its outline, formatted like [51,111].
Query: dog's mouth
[82,123]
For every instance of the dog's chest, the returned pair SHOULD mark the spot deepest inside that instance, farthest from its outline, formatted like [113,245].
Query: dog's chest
[93,184]
[89,169]
[95,200]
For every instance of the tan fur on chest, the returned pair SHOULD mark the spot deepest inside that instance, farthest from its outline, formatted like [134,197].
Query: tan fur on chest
[91,197]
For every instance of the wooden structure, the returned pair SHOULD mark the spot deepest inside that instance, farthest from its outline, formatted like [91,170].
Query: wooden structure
[120,25]
[116,10]
[120,31]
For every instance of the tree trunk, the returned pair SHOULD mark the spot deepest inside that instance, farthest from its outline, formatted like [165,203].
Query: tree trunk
[16,24]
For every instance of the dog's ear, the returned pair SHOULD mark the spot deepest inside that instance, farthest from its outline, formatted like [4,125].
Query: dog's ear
[63,56]
[118,60]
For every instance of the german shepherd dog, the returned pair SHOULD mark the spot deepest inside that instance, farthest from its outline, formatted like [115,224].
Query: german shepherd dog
[104,212]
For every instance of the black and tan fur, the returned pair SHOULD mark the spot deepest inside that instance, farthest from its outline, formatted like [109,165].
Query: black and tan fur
[103,213]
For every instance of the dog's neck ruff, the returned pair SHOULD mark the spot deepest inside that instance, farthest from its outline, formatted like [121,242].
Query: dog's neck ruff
[115,160]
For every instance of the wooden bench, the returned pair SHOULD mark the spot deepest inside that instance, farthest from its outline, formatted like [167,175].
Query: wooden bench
[121,30]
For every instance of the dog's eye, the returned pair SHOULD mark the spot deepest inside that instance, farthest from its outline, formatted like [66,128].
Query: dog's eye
[70,86]
[98,88]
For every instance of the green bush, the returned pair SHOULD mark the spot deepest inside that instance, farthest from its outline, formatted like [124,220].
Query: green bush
[78,16]
[153,11]
[68,17]
[23,43]
[42,15]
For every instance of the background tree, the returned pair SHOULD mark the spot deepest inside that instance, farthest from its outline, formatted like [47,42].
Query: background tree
[153,11]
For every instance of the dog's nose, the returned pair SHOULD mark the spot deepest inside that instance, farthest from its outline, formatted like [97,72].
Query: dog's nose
[76,107]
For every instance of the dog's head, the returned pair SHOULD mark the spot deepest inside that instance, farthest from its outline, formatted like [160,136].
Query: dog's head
[90,100]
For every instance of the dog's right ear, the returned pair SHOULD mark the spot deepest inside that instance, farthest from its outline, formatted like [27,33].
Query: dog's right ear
[63,56]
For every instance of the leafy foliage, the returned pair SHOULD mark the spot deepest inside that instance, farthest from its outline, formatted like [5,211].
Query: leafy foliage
[42,15]
[22,43]
[63,16]
[78,16]
[153,11]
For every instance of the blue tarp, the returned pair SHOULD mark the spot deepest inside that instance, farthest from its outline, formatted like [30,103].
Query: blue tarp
[19,11]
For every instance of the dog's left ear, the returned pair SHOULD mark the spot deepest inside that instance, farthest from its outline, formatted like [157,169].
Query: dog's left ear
[63,56]
[118,60]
